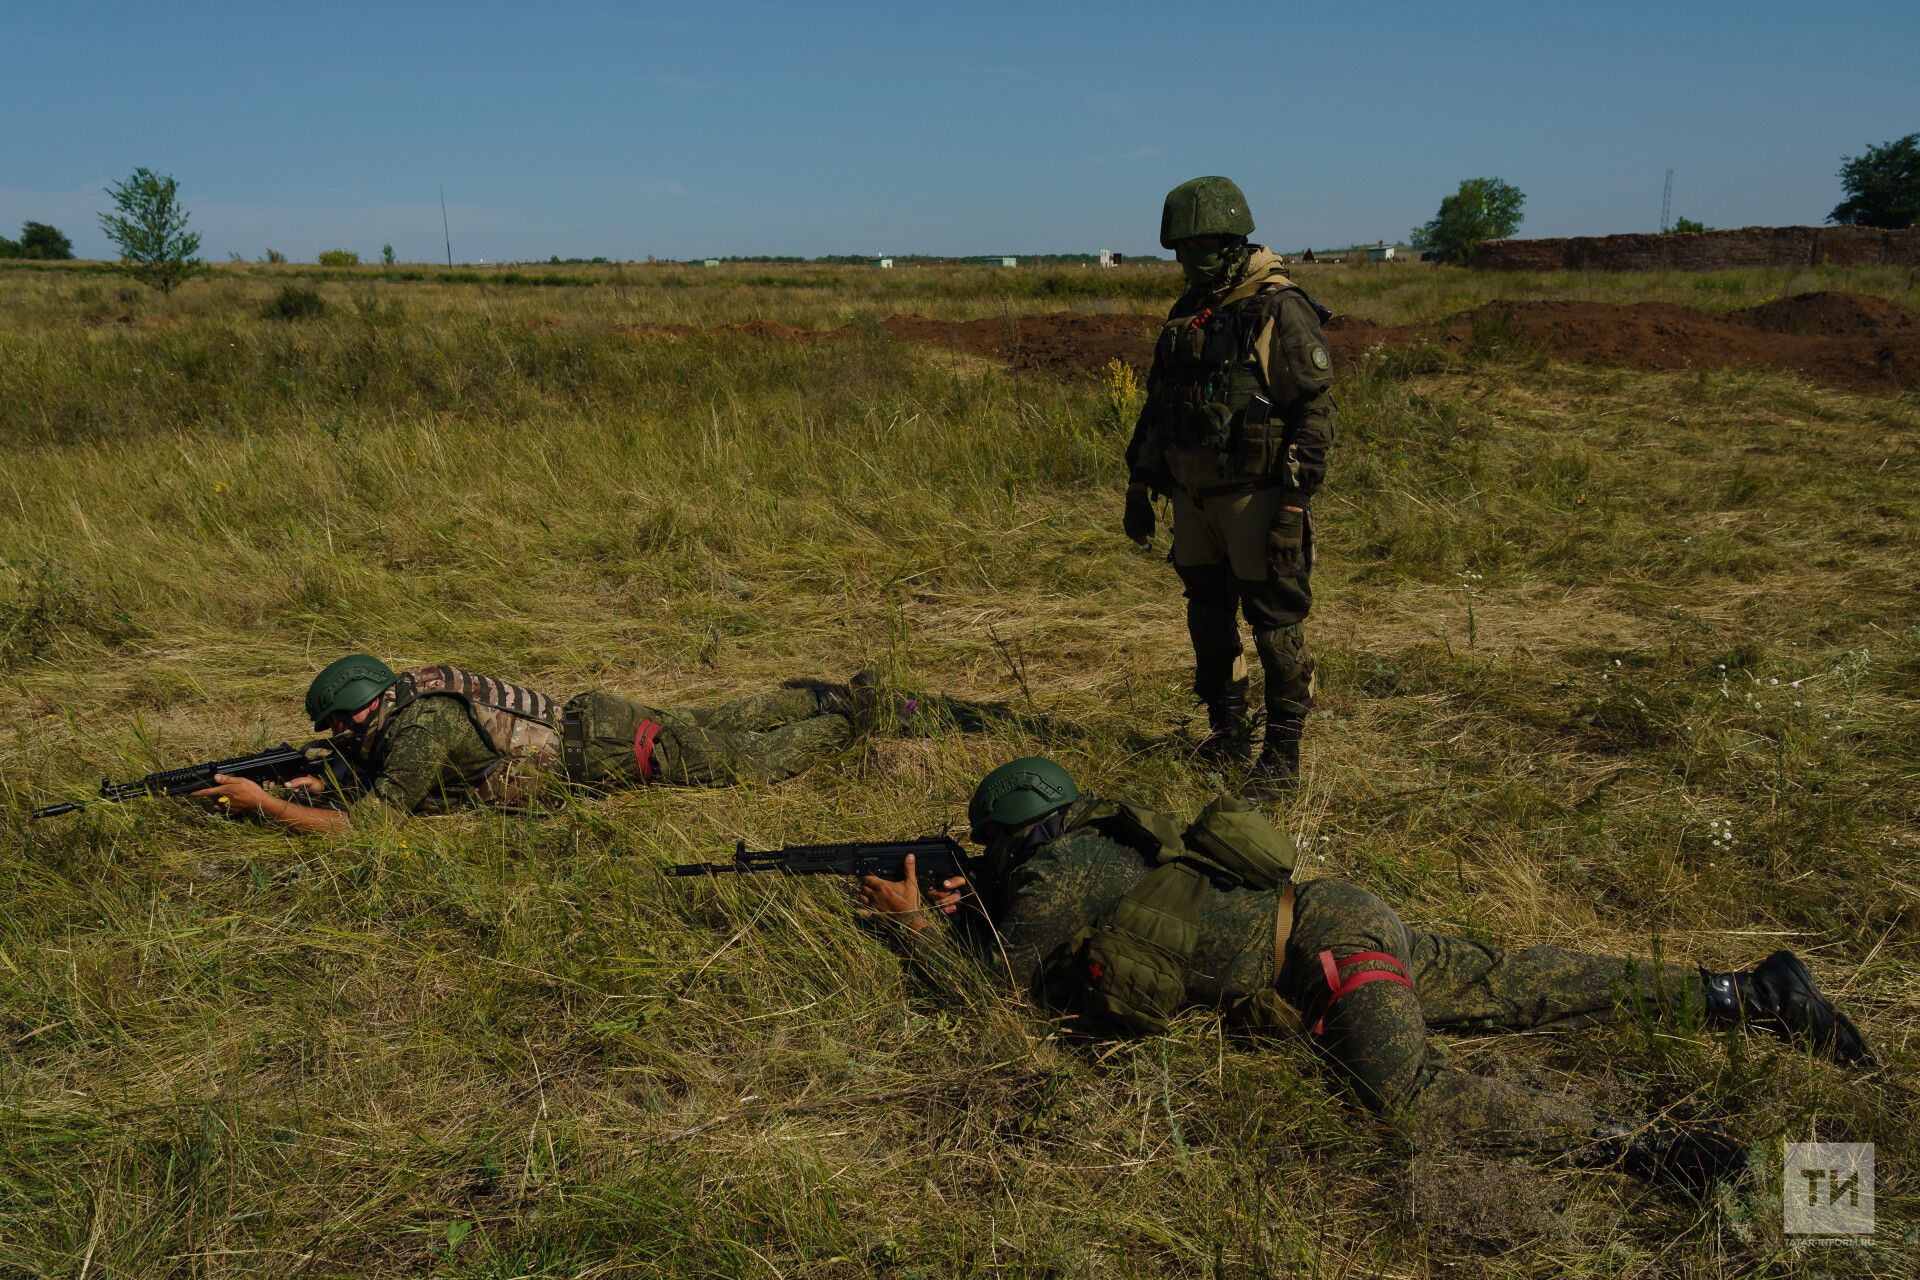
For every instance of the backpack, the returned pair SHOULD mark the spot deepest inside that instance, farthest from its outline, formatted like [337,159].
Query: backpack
[1126,973]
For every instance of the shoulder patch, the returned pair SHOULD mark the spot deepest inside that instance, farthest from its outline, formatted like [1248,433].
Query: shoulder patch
[1320,358]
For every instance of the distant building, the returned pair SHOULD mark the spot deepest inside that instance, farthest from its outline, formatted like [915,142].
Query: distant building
[1382,252]
[710,262]
[1108,258]
[885,264]
[1003,262]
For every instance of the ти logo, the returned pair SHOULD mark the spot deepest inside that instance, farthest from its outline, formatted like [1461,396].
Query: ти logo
[1826,1191]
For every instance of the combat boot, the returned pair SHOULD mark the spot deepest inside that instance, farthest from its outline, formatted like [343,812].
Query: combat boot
[1696,1153]
[1779,996]
[1229,739]
[878,709]
[1277,771]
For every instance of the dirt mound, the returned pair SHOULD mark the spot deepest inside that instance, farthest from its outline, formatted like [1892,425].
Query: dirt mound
[1066,343]
[1847,340]
[1840,315]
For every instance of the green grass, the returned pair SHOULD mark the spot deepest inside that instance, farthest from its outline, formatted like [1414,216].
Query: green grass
[1550,598]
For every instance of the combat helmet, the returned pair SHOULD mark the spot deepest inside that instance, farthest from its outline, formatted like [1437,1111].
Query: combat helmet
[1204,207]
[346,685]
[1018,793]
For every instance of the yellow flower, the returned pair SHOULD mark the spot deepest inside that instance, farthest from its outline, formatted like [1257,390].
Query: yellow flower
[1121,385]
[219,486]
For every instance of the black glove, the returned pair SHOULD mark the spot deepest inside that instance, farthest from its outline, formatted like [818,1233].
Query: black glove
[1138,522]
[1287,541]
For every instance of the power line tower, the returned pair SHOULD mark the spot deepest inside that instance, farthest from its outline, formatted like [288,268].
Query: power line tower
[1666,205]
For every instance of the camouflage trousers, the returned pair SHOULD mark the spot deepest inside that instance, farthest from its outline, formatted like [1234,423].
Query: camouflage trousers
[761,738]
[1377,1034]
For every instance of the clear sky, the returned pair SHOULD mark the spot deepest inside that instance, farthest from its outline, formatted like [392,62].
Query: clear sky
[689,129]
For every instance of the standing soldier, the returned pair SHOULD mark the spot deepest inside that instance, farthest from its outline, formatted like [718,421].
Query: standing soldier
[1235,430]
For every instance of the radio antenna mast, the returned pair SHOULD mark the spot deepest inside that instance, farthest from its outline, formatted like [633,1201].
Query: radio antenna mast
[449,235]
[1666,205]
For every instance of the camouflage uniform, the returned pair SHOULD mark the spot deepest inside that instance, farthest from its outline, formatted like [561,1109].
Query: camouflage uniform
[429,754]
[1236,426]
[1377,1035]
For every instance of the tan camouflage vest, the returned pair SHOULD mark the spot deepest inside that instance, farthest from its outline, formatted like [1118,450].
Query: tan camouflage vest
[521,724]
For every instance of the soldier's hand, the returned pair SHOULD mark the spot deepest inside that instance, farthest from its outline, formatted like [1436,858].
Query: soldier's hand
[1138,522]
[235,795]
[1287,541]
[951,893]
[899,898]
[305,787]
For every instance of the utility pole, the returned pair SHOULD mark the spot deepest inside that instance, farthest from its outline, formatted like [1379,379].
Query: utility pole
[1666,205]
[449,235]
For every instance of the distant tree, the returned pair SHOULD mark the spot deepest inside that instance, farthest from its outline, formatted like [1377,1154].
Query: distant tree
[273,255]
[8,249]
[1882,186]
[38,240]
[1687,226]
[339,258]
[150,229]
[1482,209]
[386,254]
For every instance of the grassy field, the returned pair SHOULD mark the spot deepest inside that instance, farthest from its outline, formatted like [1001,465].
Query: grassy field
[1573,622]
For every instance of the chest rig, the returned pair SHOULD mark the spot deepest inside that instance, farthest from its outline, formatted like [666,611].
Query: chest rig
[521,725]
[1208,392]
[1126,973]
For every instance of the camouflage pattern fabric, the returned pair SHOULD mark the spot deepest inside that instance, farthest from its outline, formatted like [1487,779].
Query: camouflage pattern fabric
[1082,876]
[1377,1035]
[427,755]
[762,738]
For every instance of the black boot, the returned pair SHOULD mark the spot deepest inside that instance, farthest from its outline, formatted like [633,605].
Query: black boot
[1277,771]
[878,709]
[1230,737]
[1779,995]
[1697,1153]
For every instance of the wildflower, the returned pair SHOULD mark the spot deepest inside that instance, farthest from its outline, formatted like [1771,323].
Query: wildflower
[1773,679]
[219,486]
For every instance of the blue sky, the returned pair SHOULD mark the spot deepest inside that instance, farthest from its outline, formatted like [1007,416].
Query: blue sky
[717,128]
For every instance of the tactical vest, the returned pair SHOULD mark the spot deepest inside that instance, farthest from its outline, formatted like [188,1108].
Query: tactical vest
[521,725]
[1208,393]
[1126,972]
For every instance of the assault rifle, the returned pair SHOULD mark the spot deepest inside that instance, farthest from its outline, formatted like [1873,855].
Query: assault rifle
[280,764]
[935,859]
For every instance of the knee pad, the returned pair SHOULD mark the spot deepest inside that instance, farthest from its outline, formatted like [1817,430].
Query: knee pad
[1284,653]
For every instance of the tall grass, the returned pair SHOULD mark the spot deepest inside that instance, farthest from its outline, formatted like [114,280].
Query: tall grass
[1574,626]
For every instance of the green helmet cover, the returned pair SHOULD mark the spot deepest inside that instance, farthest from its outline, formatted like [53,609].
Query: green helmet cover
[347,684]
[1020,792]
[1204,207]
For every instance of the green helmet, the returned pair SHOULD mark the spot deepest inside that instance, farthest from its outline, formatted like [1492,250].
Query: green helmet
[1204,207]
[1019,792]
[347,684]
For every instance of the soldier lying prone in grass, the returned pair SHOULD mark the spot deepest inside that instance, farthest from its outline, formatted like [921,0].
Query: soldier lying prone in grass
[1119,916]
[439,737]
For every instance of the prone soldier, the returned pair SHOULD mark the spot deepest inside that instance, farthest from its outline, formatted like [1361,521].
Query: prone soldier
[1119,916]
[443,736]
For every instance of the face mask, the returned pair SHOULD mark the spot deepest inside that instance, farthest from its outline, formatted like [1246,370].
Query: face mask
[1202,266]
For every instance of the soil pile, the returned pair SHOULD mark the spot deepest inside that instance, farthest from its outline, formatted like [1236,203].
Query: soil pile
[1065,343]
[1847,340]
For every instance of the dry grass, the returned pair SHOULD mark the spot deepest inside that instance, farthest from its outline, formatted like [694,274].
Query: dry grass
[491,1046]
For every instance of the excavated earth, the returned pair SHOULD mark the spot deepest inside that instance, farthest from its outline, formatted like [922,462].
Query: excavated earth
[1853,341]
